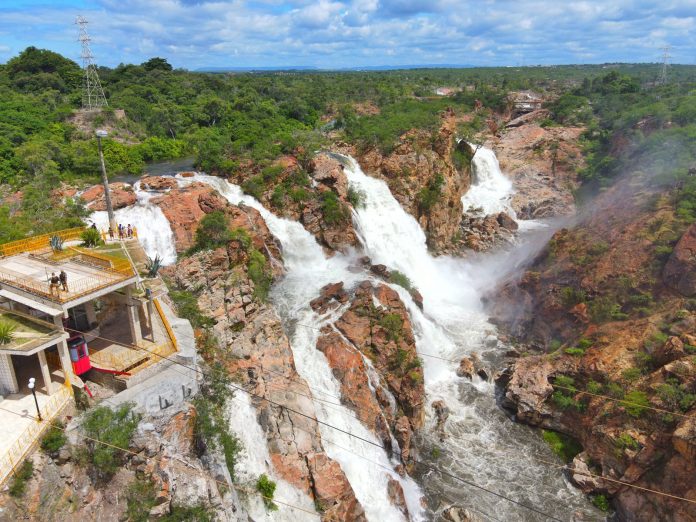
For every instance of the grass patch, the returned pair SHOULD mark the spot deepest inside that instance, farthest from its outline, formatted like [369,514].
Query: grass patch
[267,488]
[140,499]
[401,279]
[19,482]
[54,439]
[562,445]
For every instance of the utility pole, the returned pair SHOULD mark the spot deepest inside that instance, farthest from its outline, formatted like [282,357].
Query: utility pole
[105,181]
[665,63]
[93,94]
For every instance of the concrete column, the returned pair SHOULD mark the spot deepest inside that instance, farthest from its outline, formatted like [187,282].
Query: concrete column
[133,318]
[8,378]
[64,354]
[45,372]
[91,313]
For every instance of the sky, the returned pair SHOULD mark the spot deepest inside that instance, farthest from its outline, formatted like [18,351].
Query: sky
[353,33]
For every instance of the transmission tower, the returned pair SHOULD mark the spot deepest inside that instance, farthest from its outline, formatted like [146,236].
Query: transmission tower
[665,64]
[92,94]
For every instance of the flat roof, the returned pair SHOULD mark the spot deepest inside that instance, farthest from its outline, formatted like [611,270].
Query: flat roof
[87,273]
[29,334]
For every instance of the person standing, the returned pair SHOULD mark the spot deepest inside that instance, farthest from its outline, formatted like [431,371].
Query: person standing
[111,233]
[130,232]
[63,280]
[53,284]
[120,231]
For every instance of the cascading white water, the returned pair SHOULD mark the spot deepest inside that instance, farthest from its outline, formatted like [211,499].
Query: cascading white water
[490,189]
[154,232]
[307,270]
[482,446]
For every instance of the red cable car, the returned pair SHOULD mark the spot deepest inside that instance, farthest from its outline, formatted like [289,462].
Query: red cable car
[79,354]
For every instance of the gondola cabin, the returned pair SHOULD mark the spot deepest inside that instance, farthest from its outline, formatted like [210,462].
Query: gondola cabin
[79,354]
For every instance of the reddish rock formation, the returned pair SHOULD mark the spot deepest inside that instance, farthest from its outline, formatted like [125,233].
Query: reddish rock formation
[122,195]
[160,183]
[414,164]
[680,270]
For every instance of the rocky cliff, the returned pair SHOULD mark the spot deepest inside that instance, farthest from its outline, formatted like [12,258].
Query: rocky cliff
[605,309]
[428,173]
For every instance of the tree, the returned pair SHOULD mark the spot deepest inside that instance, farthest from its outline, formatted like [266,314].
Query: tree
[212,231]
[157,63]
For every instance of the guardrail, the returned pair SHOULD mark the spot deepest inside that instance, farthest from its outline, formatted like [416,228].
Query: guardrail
[16,453]
[42,242]
[167,327]
[117,270]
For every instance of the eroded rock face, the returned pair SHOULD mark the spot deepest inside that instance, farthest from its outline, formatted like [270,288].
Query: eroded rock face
[158,183]
[412,166]
[680,270]
[122,195]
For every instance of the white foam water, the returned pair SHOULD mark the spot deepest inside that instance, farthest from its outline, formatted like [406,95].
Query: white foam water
[490,190]
[154,231]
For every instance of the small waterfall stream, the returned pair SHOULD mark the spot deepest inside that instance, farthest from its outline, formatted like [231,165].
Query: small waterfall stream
[154,231]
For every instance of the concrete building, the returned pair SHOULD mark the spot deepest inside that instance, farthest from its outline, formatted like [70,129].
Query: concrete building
[102,324]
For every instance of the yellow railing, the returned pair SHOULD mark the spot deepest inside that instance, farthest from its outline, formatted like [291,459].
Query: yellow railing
[170,332]
[42,242]
[16,453]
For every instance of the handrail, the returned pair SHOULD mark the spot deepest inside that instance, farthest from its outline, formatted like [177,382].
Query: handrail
[21,447]
[167,327]
[40,242]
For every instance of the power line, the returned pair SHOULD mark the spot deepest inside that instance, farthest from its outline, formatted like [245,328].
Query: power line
[282,406]
[92,94]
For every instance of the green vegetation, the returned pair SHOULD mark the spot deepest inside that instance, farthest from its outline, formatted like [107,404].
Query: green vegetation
[187,307]
[430,194]
[91,237]
[20,478]
[54,439]
[113,427]
[333,210]
[676,396]
[401,279]
[212,232]
[7,331]
[636,403]
[564,395]
[140,499]
[601,502]
[562,445]
[267,488]
[260,273]
[393,324]
[625,441]
[212,419]
[356,197]
[199,513]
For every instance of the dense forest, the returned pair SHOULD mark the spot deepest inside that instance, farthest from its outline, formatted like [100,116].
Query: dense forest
[239,123]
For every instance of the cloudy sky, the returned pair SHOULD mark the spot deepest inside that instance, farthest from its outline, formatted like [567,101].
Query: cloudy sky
[349,33]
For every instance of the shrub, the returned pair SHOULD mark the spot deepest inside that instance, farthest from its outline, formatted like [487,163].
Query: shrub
[212,231]
[601,502]
[91,237]
[603,309]
[571,296]
[241,235]
[430,194]
[631,374]
[19,481]
[638,403]
[259,273]
[625,441]
[187,307]
[140,499]
[356,197]
[114,427]
[332,208]
[267,488]
[54,439]
[577,352]
[594,387]
[562,445]
[6,332]
[393,324]
[401,279]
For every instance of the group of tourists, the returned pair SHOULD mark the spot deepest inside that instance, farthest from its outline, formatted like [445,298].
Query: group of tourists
[59,282]
[123,232]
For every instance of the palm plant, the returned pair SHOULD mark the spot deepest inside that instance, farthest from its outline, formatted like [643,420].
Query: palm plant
[56,243]
[6,332]
[153,265]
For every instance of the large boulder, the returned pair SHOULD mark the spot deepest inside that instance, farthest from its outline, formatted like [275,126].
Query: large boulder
[680,270]
[122,195]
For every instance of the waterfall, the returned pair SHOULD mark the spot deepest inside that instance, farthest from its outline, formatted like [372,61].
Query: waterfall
[154,232]
[307,270]
[490,189]
[482,445]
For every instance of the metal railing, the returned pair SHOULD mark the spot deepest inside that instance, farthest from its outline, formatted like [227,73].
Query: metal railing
[114,269]
[19,449]
[167,327]
[42,242]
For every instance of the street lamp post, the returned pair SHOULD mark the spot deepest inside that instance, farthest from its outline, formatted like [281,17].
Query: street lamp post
[105,181]
[33,392]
